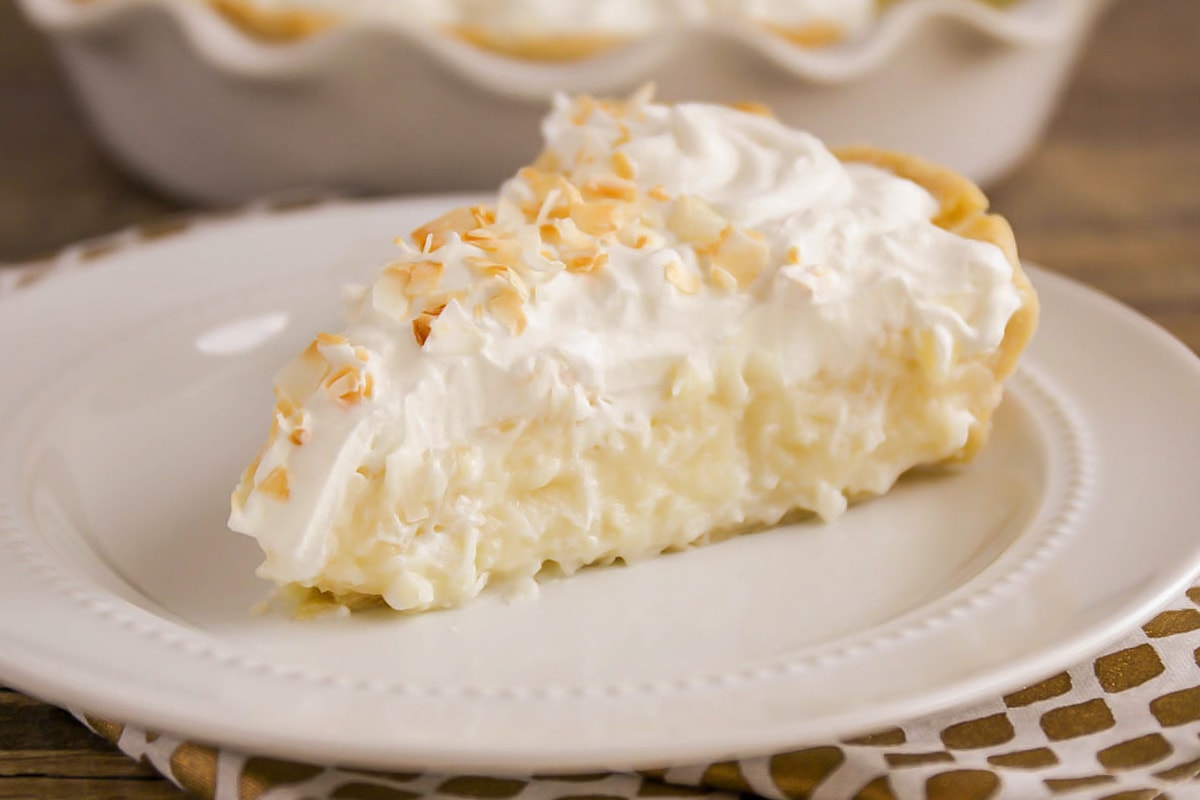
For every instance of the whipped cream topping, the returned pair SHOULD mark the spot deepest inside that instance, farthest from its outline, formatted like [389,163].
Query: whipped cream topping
[645,237]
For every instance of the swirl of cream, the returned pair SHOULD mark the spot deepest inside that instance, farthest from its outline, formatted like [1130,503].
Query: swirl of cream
[751,168]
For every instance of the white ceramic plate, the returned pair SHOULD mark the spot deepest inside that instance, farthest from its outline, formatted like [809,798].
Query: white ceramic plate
[135,390]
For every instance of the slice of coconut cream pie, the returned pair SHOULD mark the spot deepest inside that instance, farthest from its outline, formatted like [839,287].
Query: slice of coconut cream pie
[682,322]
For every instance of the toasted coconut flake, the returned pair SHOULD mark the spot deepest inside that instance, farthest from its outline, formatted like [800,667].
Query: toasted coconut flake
[284,406]
[494,271]
[638,236]
[530,210]
[540,182]
[570,235]
[695,222]
[423,278]
[331,339]
[422,325]
[611,187]
[491,246]
[483,215]
[479,236]
[246,484]
[347,385]
[436,303]
[658,192]
[514,281]
[434,234]
[290,423]
[347,375]
[361,353]
[506,250]
[548,231]
[296,382]
[403,280]
[598,217]
[548,207]
[482,264]
[742,253]
[570,191]
[586,262]
[793,255]
[623,166]
[681,278]
[723,279]
[508,308]
[276,484]
[389,294]
[299,436]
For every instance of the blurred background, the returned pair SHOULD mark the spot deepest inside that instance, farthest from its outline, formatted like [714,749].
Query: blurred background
[1110,195]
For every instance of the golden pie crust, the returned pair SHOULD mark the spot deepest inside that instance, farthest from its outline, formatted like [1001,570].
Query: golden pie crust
[963,210]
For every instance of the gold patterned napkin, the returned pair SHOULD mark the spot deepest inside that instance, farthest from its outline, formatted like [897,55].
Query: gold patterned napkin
[1124,726]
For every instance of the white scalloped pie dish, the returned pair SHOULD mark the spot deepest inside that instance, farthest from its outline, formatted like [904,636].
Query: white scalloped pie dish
[140,384]
[203,110]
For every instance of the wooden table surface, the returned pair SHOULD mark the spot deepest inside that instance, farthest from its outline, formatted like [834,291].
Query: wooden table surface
[1112,197]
